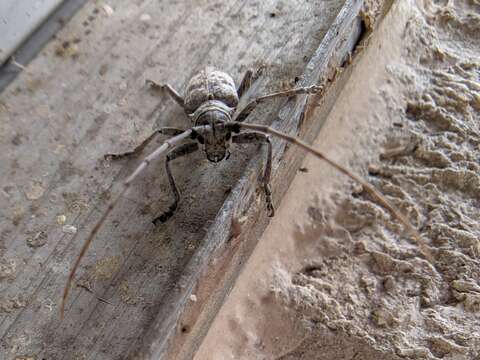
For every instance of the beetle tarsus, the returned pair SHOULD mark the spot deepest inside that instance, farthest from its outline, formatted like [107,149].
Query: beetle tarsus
[268,199]
[165,216]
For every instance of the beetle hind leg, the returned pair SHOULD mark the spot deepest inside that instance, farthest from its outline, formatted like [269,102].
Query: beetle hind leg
[248,79]
[169,89]
[246,83]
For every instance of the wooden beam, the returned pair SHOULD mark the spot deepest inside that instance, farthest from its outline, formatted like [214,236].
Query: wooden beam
[211,274]
[83,96]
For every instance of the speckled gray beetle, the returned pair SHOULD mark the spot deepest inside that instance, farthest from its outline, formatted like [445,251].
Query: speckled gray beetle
[211,98]
[211,101]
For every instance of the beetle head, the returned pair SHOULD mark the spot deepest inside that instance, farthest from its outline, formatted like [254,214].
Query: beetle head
[216,140]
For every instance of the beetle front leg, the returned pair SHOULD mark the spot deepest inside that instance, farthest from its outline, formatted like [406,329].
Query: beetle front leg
[169,131]
[177,152]
[170,90]
[260,138]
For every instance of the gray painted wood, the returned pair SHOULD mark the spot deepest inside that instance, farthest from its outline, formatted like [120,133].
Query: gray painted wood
[18,19]
[214,268]
[22,52]
[75,103]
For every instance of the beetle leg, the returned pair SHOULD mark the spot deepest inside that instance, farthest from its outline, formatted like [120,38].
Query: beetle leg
[248,79]
[176,152]
[169,131]
[246,83]
[255,137]
[242,115]
[170,90]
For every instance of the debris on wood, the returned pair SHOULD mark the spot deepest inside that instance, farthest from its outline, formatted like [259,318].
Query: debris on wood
[103,69]
[7,268]
[61,219]
[15,63]
[67,49]
[108,9]
[18,214]
[8,305]
[38,239]
[145,18]
[128,296]
[35,191]
[69,229]
[236,226]
[106,268]
[85,285]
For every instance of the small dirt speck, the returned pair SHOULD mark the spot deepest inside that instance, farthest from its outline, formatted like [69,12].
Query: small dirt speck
[61,219]
[106,268]
[7,268]
[74,202]
[103,69]
[10,304]
[69,229]
[128,296]
[67,49]
[38,239]
[35,191]
[18,214]
[17,139]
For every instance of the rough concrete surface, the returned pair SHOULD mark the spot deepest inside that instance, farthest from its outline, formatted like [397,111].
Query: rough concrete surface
[85,96]
[334,276]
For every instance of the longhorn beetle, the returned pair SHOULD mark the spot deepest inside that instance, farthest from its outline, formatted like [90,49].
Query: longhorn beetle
[211,101]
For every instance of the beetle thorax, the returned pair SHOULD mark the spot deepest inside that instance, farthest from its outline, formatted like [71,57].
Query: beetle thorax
[207,85]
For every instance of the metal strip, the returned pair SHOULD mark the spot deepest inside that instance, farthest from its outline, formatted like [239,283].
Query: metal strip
[40,22]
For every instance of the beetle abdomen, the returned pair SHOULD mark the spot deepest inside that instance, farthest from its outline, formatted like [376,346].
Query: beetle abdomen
[207,85]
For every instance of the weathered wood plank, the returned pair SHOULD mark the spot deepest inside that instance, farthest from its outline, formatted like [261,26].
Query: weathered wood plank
[213,269]
[84,96]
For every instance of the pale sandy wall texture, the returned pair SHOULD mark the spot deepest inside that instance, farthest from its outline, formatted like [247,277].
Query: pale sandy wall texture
[333,277]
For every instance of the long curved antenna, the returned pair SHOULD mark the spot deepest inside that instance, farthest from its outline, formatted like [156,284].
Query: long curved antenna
[124,188]
[366,185]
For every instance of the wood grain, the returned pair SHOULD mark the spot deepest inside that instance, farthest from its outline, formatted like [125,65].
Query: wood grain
[84,96]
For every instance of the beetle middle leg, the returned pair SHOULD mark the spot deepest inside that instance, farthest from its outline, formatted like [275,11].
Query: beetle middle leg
[169,131]
[255,137]
[177,152]
[170,90]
